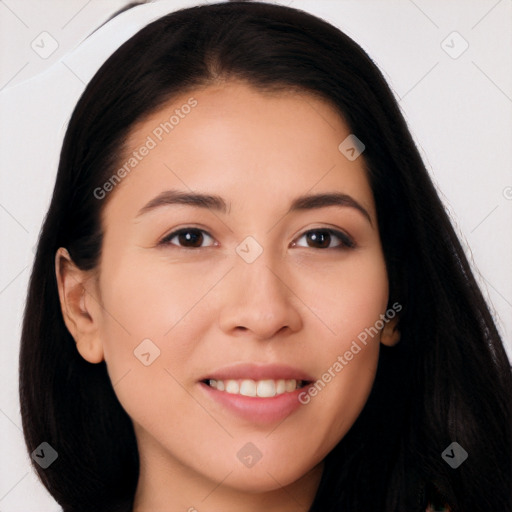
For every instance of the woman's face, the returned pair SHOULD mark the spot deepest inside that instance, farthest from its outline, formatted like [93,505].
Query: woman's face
[225,272]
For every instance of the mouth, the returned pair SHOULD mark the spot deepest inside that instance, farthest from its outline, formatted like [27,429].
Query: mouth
[258,393]
[267,388]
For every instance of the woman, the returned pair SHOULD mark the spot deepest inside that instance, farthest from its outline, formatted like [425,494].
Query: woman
[247,293]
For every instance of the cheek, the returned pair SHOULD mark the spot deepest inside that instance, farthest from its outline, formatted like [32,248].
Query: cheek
[151,324]
[348,304]
[150,300]
[346,297]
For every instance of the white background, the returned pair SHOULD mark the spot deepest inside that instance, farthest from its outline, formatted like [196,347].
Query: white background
[458,109]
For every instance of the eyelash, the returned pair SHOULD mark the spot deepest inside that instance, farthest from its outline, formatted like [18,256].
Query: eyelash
[346,242]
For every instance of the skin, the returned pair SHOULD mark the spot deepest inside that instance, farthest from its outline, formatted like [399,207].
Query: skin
[205,307]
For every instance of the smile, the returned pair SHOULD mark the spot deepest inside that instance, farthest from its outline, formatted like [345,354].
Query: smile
[267,388]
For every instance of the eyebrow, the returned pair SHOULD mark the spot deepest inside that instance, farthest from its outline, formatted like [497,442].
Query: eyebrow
[170,197]
[217,203]
[310,202]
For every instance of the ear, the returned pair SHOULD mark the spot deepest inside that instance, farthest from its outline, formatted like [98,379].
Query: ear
[390,334]
[79,307]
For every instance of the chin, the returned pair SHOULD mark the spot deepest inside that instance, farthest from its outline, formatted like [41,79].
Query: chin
[263,478]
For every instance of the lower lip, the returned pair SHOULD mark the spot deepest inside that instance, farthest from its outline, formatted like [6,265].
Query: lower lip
[256,409]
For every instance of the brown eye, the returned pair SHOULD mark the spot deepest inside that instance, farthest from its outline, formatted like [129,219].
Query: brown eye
[187,237]
[326,239]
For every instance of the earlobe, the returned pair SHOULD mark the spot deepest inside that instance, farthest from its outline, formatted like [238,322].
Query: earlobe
[78,306]
[390,334]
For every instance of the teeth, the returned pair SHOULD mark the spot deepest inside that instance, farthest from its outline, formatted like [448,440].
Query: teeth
[248,388]
[261,388]
[290,385]
[266,388]
[232,387]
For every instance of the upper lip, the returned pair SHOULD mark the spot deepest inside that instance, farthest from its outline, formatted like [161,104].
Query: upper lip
[258,372]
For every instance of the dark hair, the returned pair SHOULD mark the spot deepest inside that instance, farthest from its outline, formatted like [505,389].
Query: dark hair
[449,378]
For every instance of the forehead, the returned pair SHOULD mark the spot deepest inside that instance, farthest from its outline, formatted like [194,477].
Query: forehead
[235,140]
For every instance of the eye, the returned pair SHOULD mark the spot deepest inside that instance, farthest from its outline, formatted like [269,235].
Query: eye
[191,238]
[325,239]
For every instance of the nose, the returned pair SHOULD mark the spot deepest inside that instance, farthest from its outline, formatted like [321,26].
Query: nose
[259,301]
